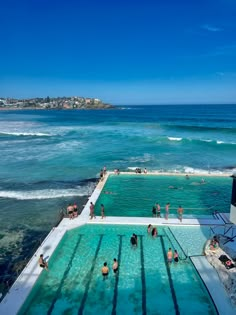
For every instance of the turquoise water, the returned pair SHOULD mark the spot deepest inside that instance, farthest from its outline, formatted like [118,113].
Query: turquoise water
[52,158]
[126,195]
[145,284]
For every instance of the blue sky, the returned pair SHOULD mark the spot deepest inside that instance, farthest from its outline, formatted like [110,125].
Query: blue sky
[124,52]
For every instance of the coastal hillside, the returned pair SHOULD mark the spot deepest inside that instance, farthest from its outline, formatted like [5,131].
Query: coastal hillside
[74,102]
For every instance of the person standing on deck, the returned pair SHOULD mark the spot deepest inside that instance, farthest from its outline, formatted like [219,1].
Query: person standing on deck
[91,208]
[104,170]
[167,211]
[180,213]
[70,210]
[158,207]
[154,211]
[101,175]
[102,211]
[75,210]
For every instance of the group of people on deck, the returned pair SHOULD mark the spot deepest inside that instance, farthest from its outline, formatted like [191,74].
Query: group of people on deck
[91,211]
[156,211]
[214,243]
[72,211]
[103,172]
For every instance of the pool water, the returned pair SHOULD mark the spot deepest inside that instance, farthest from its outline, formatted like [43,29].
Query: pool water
[135,195]
[145,283]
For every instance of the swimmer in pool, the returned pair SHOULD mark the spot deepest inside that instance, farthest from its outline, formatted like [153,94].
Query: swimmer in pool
[105,271]
[169,256]
[115,266]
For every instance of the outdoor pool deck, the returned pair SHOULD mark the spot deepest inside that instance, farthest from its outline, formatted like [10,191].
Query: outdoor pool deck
[20,290]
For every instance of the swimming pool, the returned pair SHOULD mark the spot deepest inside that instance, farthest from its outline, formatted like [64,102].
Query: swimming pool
[145,284]
[134,195]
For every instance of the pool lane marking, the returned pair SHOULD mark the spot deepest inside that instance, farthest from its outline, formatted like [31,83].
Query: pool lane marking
[177,312]
[117,278]
[64,276]
[144,305]
[80,311]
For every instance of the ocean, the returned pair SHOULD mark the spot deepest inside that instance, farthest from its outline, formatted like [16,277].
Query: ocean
[50,158]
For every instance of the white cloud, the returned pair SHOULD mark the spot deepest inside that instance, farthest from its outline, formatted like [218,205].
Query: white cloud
[211,28]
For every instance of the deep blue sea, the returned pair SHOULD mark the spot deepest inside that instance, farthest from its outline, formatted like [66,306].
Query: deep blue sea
[50,158]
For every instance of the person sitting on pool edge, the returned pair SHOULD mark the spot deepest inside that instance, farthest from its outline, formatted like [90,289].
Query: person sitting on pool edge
[214,244]
[42,263]
[154,211]
[105,271]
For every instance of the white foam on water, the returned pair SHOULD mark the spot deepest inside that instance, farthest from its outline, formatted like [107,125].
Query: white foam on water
[206,140]
[141,159]
[35,134]
[47,193]
[174,139]
[191,170]
[70,145]
[10,238]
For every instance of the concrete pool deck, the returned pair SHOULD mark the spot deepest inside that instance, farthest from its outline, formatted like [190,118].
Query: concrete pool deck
[20,290]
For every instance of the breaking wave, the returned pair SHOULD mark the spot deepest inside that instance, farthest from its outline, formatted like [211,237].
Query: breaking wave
[25,134]
[201,141]
[47,193]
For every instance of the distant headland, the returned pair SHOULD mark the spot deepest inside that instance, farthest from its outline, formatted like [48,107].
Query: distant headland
[65,103]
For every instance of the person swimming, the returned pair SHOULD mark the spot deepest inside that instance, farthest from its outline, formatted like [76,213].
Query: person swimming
[134,240]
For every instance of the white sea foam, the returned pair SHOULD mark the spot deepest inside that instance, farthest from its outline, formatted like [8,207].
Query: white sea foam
[206,140]
[35,134]
[184,170]
[141,159]
[191,170]
[174,139]
[223,142]
[70,145]
[46,193]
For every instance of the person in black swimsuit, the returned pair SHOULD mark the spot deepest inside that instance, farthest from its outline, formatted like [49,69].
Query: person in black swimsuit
[134,240]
